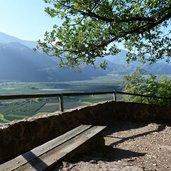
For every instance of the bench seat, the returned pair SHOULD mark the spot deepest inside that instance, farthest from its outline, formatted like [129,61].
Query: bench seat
[48,155]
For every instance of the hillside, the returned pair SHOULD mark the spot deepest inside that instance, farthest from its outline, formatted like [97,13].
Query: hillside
[5,38]
[159,68]
[18,62]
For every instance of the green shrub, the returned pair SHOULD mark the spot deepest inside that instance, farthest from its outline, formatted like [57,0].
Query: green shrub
[139,83]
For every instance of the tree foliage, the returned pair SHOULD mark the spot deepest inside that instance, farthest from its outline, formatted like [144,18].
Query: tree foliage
[93,28]
[138,83]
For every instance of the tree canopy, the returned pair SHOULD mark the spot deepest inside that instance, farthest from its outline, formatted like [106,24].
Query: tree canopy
[93,28]
[147,85]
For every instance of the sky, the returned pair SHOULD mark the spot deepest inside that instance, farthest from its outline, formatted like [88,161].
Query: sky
[25,19]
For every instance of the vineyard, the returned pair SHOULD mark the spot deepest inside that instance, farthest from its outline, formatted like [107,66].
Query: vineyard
[18,109]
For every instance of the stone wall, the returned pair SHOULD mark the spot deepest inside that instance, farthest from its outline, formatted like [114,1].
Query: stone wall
[21,136]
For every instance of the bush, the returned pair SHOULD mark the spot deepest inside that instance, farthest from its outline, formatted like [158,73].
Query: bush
[147,85]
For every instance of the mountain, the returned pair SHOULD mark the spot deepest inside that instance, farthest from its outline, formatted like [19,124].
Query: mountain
[20,63]
[5,38]
[120,58]
[158,68]
[16,63]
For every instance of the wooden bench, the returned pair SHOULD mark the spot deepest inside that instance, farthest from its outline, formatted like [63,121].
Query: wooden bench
[48,155]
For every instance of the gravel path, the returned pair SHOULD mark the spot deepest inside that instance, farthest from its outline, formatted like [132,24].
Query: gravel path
[129,146]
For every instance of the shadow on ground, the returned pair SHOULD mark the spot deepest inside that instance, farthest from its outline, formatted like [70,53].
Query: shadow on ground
[113,153]
[123,126]
[108,154]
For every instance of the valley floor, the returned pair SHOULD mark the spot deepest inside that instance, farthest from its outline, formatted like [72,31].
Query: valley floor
[129,146]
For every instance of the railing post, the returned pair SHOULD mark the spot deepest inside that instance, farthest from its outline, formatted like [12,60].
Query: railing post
[61,103]
[114,96]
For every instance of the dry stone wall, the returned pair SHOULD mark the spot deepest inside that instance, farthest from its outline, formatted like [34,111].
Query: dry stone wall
[21,136]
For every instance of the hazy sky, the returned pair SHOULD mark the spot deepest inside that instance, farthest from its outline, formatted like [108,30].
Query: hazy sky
[24,19]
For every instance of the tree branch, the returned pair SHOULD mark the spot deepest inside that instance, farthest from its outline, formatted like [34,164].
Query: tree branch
[138,30]
[134,18]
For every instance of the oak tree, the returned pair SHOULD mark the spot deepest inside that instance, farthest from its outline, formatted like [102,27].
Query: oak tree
[94,28]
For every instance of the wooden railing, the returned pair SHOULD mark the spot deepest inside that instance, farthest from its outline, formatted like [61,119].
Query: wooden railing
[62,95]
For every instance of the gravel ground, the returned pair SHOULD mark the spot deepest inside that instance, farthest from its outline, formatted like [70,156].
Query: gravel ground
[129,146]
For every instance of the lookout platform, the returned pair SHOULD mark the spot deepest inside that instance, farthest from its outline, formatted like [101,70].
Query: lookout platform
[129,146]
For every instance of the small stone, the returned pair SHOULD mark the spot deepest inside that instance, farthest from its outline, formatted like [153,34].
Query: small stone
[131,160]
[65,164]
[93,162]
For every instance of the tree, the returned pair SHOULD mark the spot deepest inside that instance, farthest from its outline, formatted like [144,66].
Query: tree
[147,85]
[93,28]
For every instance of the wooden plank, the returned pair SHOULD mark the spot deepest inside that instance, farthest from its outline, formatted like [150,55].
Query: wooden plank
[25,96]
[36,152]
[57,154]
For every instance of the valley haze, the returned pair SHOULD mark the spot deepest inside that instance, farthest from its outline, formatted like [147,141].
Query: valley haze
[19,62]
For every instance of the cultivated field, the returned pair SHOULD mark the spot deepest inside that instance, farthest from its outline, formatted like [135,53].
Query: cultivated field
[18,109]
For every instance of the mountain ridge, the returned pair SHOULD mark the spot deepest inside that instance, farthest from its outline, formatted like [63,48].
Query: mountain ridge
[5,38]
[19,62]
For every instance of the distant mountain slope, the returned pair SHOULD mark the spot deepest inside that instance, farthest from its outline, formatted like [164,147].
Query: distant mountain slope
[5,38]
[120,58]
[159,68]
[19,62]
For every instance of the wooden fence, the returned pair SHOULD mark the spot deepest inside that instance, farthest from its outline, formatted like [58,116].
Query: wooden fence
[62,95]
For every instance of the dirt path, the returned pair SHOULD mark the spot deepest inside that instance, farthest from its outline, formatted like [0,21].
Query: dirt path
[129,147]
